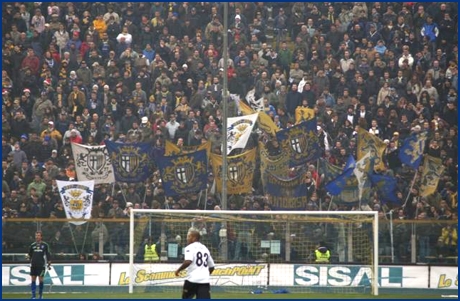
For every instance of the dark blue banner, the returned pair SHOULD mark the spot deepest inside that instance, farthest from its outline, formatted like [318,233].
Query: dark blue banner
[300,142]
[187,173]
[132,162]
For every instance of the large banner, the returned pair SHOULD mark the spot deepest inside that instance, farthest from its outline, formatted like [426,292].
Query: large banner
[92,163]
[239,130]
[77,198]
[132,162]
[240,172]
[300,143]
[173,150]
[286,193]
[187,173]
[275,165]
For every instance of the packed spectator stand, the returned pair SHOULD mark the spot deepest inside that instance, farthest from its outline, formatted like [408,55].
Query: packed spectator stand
[152,71]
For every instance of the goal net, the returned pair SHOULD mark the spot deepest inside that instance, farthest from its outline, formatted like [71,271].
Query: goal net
[258,250]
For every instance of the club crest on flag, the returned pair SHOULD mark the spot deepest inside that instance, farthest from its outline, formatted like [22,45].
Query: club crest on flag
[77,198]
[93,163]
[298,140]
[237,130]
[415,150]
[129,160]
[237,172]
[184,173]
[95,160]
[185,169]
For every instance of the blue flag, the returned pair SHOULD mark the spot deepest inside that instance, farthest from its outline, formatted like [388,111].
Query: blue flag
[187,173]
[336,186]
[386,186]
[300,142]
[411,152]
[132,162]
[329,170]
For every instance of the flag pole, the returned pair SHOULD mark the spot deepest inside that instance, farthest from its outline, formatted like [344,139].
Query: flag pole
[224,132]
[410,189]
[224,109]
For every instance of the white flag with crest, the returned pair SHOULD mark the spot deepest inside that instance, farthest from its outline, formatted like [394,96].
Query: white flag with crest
[93,163]
[77,198]
[256,104]
[362,168]
[238,131]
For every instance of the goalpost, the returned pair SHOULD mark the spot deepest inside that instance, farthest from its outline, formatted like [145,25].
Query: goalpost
[259,250]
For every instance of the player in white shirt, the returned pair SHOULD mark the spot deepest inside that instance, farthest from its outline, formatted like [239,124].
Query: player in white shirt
[200,265]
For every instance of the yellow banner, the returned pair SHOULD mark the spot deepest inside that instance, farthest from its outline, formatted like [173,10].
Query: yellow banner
[266,123]
[245,108]
[432,171]
[276,165]
[240,172]
[368,143]
[303,114]
[173,150]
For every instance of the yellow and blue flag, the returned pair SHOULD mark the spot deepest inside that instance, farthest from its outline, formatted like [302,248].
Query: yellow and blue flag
[386,186]
[411,152]
[340,182]
[432,171]
[368,143]
[329,170]
[303,114]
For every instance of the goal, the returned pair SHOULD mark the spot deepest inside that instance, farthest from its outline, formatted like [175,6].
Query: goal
[259,250]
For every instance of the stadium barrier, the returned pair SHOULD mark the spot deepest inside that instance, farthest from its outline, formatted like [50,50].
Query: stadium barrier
[15,277]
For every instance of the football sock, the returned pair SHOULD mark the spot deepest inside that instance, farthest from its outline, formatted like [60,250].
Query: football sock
[40,288]
[34,287]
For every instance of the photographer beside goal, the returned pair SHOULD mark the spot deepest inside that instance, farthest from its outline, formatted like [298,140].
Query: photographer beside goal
[200,265]
[39,255]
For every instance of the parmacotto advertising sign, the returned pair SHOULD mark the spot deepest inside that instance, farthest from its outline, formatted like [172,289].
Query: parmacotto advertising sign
[163,274]
[444,277]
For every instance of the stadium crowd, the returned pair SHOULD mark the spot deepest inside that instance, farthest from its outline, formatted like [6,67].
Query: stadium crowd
[149,71]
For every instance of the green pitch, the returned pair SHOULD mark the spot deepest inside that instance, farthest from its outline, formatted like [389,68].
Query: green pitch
[265,295]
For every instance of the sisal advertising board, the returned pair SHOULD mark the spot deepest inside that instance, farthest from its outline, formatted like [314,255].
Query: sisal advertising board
[163,274]
[347,275]
[59,274]
[444,277]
